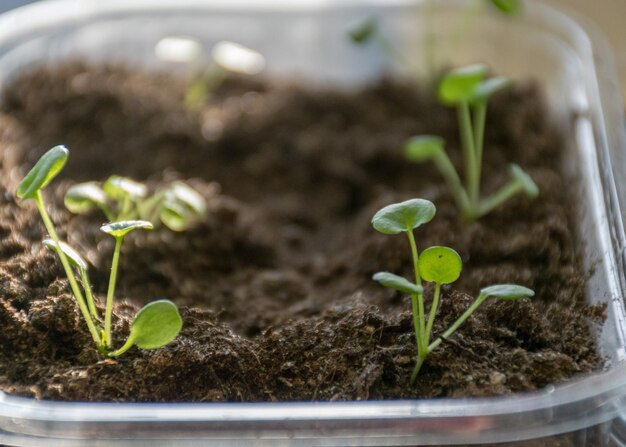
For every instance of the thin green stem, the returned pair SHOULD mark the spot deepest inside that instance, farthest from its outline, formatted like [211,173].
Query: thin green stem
[470,310]
[499,197]
[68,269]
[448,172]
[418,300]
[480,118]
[416,369]
[469,152]
[433,311]
[129,344]
[108,340]
[417,327]
[88,295]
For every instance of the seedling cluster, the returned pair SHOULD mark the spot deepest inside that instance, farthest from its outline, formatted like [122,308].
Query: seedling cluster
[468,89]
[177,205]
[438,265]
[157,323]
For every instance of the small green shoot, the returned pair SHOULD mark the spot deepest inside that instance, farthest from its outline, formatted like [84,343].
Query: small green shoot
[157,323]
[177,205]
[438,265]
[507,7]
[469,91]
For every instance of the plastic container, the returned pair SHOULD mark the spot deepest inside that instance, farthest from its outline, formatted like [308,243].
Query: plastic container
[306,39]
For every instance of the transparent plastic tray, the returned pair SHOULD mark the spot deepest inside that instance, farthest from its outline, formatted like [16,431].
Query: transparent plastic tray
[305,39]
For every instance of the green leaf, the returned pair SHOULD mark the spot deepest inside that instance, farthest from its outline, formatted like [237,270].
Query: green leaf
[174,216]
[72,255]
[119,188]
[529,187]
[156,324]
[84,197]
[48,166]
[508,7]
[404,216]
[364,31]
[188,197]
[487,88]
[423,148]
[397,283]
[441,265]
[458,85]
[123,227]
[507,291]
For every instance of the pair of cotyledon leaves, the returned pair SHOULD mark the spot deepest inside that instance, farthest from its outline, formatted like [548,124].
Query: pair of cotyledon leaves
[157,323]
[441,265]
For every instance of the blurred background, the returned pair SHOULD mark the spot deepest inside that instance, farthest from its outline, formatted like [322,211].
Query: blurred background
[608,15]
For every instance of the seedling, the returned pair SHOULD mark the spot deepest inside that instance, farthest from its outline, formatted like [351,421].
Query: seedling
[438,265]
[227,57]
[177,205]
[469,91]
[157,323]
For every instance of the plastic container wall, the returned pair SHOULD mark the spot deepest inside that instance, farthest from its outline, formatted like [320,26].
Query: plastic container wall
[307,40]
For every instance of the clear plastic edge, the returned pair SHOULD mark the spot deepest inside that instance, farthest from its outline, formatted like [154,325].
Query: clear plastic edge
[605,389]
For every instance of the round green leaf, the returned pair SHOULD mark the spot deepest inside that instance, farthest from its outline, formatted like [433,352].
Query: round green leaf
[507,291]
[423,148]
[72,255]
[123,227]
[459,85]
[156,324]
[188,197]
[84,197]
[364,31]
[118,188]
[397,283]
[404,216]
[441,265]
[48,166]
[174,216]
[508,7]
[529,187]
[487,88]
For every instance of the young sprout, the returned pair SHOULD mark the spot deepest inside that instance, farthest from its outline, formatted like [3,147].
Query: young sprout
[469,91]
[438,265]
[118,230]
[157,323]
[507,7]
[177,205]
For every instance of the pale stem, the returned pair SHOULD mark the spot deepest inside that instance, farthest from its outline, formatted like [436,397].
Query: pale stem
[480,118]
[419,297]
[469,152]
[416,369]
[448,172]
[68,269]
[108,340]
[433,311]
[87,286]
[475,305]
[129,344]
[499,197]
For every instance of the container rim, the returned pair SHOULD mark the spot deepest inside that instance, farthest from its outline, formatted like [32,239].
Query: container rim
[53,13]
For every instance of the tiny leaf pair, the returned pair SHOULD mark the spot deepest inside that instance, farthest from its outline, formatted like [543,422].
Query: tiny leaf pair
[157,323]
[469,91]
[438,265]
[177,206]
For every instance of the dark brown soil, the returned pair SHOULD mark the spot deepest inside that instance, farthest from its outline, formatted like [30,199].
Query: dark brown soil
[275,283]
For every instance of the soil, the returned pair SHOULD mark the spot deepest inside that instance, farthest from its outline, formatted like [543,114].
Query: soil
[275,284]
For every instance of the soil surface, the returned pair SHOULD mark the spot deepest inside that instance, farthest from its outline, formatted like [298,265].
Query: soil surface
[275,284]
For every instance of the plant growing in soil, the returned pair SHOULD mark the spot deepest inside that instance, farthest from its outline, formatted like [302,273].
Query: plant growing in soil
[439,265]
[177,205]
[155,325]
[469,91]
